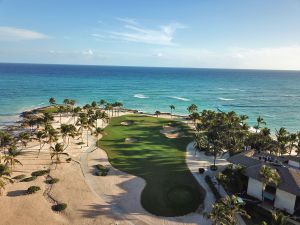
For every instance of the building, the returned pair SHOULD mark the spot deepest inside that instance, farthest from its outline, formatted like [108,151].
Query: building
[286,196]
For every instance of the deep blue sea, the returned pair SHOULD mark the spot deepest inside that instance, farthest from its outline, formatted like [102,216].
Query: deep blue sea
[274,95]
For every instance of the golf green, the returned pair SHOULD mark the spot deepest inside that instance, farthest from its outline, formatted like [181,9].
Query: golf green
[171,190]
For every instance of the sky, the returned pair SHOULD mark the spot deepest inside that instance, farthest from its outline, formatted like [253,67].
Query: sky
[248,34]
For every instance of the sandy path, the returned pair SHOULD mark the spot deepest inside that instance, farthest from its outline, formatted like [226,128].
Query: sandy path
[113,199]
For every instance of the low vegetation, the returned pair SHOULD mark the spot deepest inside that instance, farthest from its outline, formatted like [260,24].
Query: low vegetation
[33,189]
[52,181]
[59,207]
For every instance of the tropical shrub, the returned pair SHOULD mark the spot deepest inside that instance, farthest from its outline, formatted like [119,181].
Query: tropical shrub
[33,189]
[201,170]
[52,181]
[214,167]
[59,207]
[212,187]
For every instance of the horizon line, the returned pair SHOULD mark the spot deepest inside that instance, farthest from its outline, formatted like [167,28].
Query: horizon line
[163,67]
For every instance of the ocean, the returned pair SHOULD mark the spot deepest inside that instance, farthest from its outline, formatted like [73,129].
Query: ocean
[274,95]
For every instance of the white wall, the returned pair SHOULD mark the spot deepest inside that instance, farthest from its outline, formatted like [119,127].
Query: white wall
[254,188]
[285,201]
[293,163]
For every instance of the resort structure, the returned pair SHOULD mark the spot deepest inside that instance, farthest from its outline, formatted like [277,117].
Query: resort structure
[284,196]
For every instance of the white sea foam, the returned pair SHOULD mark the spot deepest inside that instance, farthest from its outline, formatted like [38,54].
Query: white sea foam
[226,99]
[140,96]
[180,98]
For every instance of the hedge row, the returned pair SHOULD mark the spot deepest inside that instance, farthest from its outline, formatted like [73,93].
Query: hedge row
[212,187]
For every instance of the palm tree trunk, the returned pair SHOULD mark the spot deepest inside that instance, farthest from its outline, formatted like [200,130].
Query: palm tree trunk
[87,138]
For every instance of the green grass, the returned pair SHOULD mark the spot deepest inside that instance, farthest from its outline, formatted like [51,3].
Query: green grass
[171,189]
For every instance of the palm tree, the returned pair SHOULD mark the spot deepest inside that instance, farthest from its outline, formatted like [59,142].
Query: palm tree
[76,110]
[5,173]
[172,107]
[40,135]
[5,140]
[269,176]
[225,211]
[278,218]
[57,151]
[24,138]
[259,121]
[52,101]
[192,108]
[157,113]
[94,104]
[52,136]
[297,146]
[292,140]
[282,139]
[104,117]
[66,101]
[67,130]
[47,118]
[102,102]
[10,158]
[60,110]
[194,117]
[85,123]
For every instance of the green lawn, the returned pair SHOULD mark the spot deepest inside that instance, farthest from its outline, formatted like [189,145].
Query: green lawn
[171,189]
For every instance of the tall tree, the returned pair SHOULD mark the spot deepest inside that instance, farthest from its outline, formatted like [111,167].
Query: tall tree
[10,158]
[269,176]
[172,108]
[192,108]
[5,173]
[57,151]
[226,210]
[52,101]
[282,139]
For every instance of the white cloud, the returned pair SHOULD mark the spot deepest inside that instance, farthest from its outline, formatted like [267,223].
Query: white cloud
[18,34]
[285,57]
[88,52]
[163,35]
[128,20]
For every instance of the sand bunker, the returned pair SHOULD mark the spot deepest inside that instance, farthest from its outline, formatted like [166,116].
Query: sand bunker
[171,132]
[127,123]
[130,140]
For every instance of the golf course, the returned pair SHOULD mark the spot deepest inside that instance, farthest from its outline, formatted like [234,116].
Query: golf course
[135,144]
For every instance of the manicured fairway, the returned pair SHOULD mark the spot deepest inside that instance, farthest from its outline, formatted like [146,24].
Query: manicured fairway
[171,189]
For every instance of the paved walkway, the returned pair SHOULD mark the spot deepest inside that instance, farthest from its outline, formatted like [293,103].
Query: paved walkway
[196,160]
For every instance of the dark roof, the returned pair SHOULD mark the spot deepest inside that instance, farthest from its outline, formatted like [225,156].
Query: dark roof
[293,158]
[289,178]
[244,159]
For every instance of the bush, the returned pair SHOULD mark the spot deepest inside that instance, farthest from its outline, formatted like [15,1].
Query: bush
[201,170]
[212,187]
[39,173]
[213,167]
[102,170]
[59,207]
[28,179]
[80,143]
[52,181]
[33,189]
[19,177]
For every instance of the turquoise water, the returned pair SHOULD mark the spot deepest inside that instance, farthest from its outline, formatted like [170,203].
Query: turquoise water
[274,95]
